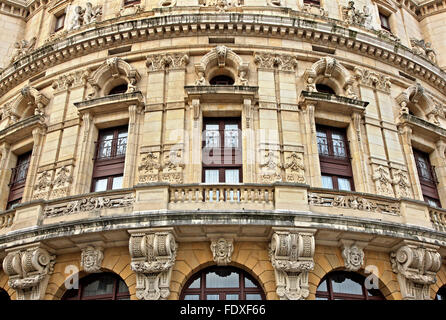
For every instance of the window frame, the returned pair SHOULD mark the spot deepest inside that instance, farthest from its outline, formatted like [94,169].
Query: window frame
[62,18]
[236,152]
[331,295]
[428,185]
[386,18]
[241,290]
[16,187]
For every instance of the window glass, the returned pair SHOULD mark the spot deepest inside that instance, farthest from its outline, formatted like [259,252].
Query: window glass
[327,182]
[195,284]
[432,202]
[249,283]
[344,184]
[59,22]
[121,143]
[384,21]
[211,176]
[213,280]
[99,287]
[232,297]
[232,176]
[342,284]
[323,286]
[192,297]
[105,146]
[122,287]
[212,136]
[117,182]
[231,136]
[212,297]
[101,185]
[338,145]
[322,143]
[253,296]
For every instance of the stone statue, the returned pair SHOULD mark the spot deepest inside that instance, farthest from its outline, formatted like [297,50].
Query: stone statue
[201,81]
[22,48]
[92,14]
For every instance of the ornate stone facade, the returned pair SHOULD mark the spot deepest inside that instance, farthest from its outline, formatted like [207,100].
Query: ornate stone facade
[91,259]
[222,250]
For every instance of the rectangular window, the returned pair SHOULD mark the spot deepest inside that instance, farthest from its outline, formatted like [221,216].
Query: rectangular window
[427,177]
[18,179]
[60,22]
[313,2]
[334,158]
[109,159]
[130,2]
[222,151]
[385,23]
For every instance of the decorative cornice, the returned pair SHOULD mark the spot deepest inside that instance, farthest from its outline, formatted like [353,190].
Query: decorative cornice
[173,25]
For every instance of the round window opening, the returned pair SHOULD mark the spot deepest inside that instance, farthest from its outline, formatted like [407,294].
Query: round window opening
[222,80]
[222,283]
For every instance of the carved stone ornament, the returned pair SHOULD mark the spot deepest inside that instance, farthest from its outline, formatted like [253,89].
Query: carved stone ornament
[383,182]
[314,10]
[294,168]
[167,61]
[129,10]
[416,265]
[22,48]
[353,16]
[291,252]
[222,250]
[78,16]
[372,79]
[221,5]
[401,183]
[91,259]
[148,169]
[270,167]
[281,62]
[353,255]
[153,255]
[172,168]
[29,270]
[77,78]
[424,49]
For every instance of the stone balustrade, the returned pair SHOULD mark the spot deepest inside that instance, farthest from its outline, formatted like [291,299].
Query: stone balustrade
[6,219]
[438,218]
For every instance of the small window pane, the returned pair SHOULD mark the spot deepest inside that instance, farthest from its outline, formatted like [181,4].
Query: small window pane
[322,143]
[327,182]
[231,135]
[249,283]
[122,287]
[211,176]
[214,280]
[323,286]
[195,284]
[99,287]
[100,185]
[212,136]
[342,284]
[344,184]
[338,145]
[253,296]
[232,176]
[191,297]
[212,297]
[321,298]
[232,297]
[432,202]
[117,182]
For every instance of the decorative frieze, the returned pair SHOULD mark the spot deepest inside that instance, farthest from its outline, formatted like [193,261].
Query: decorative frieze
[416,265]
[167,61]
[89,204]
[149,168]
[383,182]
[353,202]
[281,62]
[424,49]
[153,255]
[401,184]
[77,78]
[172,167]
[23,48]
[221,5]
[91,259]
[222,251]
[353,254]
[29,270]
[51,184]
[294,167]
[373,79]
[291,252]
[314,10]
[270,167]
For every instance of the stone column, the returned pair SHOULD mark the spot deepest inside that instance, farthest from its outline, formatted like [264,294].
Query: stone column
[153,253]
[38,134]
[29,268]
[438,160]
[195,169]
[416,265]
[81,176]
[132,147]
[291,253]
[6,163]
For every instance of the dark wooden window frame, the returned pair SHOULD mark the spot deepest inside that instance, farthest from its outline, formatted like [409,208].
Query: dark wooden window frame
[112,166]
[332,165]
[330,295]
[236,152]
[131,2]
[203,291]
[18,179]
[316,3]
[91,278]
[428,184]
[386,18]
[58,18]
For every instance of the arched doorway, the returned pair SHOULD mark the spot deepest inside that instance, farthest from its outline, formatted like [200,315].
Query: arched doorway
[4,296]
[342,285]
[99,286]
[222,283]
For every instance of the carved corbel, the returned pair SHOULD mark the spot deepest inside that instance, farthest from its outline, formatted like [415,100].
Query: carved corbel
[222,249]
[291,252]
[416,265]
[441,147]
[153,254]
[353,254]
[29,269]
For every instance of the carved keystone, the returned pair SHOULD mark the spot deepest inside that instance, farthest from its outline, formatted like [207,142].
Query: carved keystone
[222,250]
[353,254]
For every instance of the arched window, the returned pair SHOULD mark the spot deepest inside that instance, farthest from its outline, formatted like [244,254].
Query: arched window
[100,286]
[4,296]
[324,88]
[122,88]
[221,80]
[340,285]
[441,293]
[222,283]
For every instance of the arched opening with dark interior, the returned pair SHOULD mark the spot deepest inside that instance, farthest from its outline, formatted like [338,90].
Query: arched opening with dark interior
[99,286]
[441,293]
[222,283]
[4,296]
[222,80]
[343,285]
[324,88]
[119,89]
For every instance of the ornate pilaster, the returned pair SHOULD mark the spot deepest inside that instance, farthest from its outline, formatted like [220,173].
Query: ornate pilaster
[38,134]
[291,252]
[29,269]
[222,249]
[416,265]
[153,253]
